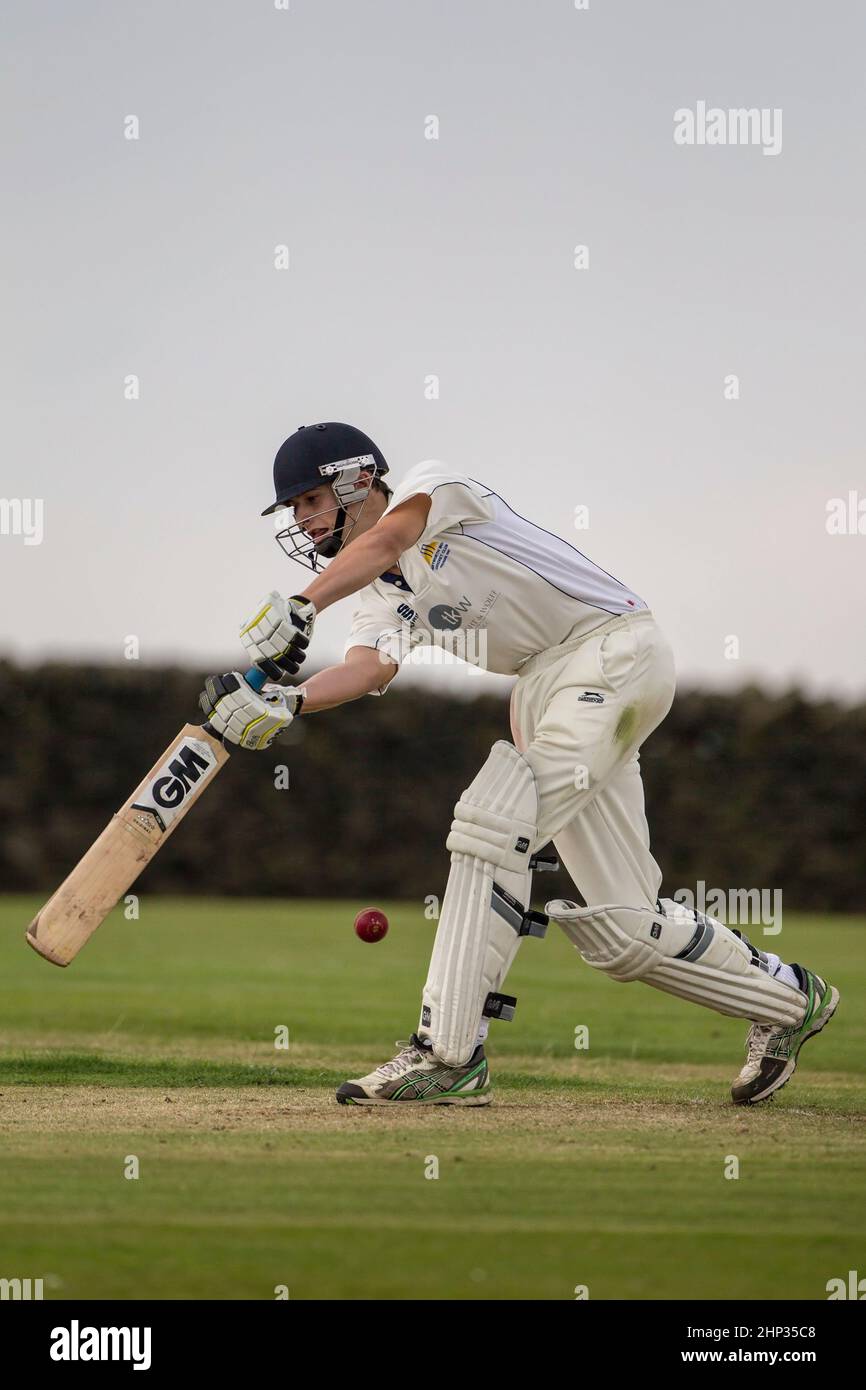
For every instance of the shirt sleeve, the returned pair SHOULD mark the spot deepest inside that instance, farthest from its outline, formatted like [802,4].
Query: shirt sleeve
[455,500]
[374,625]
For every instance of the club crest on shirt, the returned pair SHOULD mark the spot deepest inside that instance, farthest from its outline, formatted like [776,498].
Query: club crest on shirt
[435,553]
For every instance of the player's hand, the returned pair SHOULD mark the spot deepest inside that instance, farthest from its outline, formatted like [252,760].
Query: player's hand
[244,716]
[278,634]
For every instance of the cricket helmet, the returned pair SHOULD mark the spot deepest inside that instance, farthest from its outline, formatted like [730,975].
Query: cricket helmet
[331,453]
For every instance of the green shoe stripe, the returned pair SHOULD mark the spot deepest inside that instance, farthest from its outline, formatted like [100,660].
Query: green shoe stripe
[413,1081]
[397,1094]
[811,1000]
[470,1076]
[448,1091]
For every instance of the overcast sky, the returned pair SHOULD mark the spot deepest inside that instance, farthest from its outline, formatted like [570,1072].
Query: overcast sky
[453,258]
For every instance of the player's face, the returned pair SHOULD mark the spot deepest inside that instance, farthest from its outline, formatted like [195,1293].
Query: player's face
[316,512]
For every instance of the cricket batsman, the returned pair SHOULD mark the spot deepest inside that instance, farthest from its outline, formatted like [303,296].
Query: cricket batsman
[444,556]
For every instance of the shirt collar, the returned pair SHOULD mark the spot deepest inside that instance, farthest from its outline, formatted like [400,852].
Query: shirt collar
[397,580]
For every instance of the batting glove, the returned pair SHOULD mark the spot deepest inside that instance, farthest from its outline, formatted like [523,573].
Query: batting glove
[277,637]
[245,717]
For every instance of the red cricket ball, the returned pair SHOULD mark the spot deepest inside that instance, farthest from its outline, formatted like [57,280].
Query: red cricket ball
[371,924]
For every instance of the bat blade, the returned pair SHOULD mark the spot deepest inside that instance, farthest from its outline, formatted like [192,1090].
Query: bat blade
[127,844]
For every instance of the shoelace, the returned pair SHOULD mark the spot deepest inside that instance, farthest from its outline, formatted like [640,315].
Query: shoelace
[757,1041]
[398,1064]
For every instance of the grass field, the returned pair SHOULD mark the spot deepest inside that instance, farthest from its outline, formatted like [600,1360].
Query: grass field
[602,1168]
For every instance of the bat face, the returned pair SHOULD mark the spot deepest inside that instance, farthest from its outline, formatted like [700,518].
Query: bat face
[164,795]
[126,845]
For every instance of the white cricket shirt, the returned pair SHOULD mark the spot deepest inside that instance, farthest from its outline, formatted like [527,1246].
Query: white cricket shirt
[482,582]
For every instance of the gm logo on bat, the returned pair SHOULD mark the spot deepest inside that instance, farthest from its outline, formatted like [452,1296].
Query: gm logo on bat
[187,767]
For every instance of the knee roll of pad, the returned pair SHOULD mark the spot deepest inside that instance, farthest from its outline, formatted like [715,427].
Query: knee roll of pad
[503,841]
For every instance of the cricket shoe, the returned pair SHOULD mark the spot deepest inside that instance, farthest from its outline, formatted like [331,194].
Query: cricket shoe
[771,1051]
[416,1077]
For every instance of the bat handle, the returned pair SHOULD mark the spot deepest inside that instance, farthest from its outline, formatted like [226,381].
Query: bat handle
[253,677]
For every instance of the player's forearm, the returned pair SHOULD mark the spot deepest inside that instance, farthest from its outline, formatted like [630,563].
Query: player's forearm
[359,564]
[336,685]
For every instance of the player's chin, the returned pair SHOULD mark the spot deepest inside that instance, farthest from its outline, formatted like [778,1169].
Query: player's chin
[326,547]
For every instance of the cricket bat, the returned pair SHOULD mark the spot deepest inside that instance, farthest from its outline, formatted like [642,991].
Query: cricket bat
[130,840]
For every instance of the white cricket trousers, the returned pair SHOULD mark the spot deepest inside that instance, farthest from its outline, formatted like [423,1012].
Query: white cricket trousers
[584,752]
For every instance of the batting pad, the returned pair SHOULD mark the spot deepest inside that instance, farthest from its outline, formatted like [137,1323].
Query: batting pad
[485,912]
[681,952]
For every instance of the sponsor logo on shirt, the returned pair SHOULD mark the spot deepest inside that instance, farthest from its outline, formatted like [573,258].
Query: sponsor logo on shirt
[591,697]
[408,614]
[448,616]
[435,553]
[485,608]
